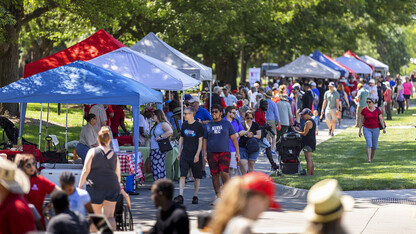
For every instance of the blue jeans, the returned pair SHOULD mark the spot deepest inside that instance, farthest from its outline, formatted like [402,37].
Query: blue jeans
[371,137]
[82,151]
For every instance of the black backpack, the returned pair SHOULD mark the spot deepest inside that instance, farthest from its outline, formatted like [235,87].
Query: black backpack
[252,145]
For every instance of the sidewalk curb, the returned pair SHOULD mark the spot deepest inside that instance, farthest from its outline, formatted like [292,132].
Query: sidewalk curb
[287,191]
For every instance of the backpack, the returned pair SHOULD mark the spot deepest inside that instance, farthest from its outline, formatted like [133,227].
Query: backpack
[315,98]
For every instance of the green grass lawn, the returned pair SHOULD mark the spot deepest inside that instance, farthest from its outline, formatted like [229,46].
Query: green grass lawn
[343,157]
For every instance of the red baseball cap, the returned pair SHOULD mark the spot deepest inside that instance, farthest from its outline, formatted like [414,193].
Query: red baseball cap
[235,91]
[262,183]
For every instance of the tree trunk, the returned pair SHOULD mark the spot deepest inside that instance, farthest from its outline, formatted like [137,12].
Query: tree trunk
[243,65]
[9,60]
[227,68]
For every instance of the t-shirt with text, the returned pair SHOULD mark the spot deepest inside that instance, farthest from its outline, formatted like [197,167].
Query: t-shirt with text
[191,134]
[217,135]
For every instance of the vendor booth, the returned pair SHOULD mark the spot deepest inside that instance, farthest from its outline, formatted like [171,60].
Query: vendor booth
[304,66]
[80,83]
[356,65]
[318,56]
[350,71]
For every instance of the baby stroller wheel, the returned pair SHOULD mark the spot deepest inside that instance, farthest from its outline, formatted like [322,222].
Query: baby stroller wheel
[303,172]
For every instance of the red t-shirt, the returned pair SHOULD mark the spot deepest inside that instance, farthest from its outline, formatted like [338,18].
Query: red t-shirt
[260,117]
[15,215]
[370,118]
[117,119]
[39,187]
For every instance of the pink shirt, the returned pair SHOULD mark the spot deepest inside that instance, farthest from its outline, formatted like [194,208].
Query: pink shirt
[407,88]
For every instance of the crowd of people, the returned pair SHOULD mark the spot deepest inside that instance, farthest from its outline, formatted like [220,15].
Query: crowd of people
[227,131]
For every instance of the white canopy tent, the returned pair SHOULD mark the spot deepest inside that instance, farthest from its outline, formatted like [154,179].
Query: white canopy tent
[378,65]
[356,65]
[305,66]
[153,46]
[144,69]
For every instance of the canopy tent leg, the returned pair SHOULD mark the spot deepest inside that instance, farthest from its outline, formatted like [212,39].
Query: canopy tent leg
[23,106]
[83,114]
[47,125]
[40,124]
[210,96]
[182,98]
[66,129]
[136,113]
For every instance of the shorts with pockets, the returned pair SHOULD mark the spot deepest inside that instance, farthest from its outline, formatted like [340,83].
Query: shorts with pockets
[218,161]
[196,168]
[331,114]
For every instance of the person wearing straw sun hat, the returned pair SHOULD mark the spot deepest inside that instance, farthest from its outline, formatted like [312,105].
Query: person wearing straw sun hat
[13,207]
[325,207]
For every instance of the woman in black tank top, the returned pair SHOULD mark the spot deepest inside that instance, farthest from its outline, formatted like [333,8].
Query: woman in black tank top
[102,173]
[308,139]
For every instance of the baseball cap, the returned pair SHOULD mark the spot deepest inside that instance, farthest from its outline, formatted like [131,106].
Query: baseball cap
[261,183]
[331,84]
[306,111]
[226,87]
[313,84]
[188,96]
[193,99]
[12,178]
[372,81]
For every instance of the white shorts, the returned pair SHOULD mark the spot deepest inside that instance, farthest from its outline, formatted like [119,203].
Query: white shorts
[233,161]
[331,114]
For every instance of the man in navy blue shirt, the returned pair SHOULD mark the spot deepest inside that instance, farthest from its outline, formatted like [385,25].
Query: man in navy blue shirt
[201,114]
[216,148]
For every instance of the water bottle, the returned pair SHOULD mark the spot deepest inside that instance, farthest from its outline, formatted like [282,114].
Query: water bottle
[19,141]
[138,229]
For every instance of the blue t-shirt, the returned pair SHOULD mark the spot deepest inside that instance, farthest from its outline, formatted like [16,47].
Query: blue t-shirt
[78,200]
[202,114]
[237,128]
[218,135]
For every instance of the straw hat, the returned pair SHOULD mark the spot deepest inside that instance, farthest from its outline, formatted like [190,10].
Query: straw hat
[12,178]
[269,94]
[325,202]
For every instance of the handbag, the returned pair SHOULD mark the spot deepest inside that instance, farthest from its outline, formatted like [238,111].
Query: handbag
[164,144]
[379,123]
[252,145]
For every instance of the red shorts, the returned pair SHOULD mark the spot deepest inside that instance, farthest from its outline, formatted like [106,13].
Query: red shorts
[218,162]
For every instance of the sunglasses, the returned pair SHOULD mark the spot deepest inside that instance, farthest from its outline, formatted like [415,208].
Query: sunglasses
[215,112]
[29,165]
[249,118]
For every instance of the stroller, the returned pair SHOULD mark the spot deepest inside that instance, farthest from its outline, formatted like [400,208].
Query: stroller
[289,147]
[12,133]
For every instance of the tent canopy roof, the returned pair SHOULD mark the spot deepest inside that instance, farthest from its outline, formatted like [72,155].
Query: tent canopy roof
[349,53]
[318,56]
[153,46]
[81,83]
[144,69]
[304,66]
[356,65]
[97,44]
[379,66]
[350,71]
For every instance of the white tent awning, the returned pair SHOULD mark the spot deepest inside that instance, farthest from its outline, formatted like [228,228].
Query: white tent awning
[147,70]
[153,46]
[379,66]
[356,65]
[304,66]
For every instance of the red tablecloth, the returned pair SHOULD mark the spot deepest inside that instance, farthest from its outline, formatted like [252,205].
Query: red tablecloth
[124,140]
[127,164]
[38,154]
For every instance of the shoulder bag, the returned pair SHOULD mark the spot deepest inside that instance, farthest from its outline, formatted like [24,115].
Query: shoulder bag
[379,123]
[164,143]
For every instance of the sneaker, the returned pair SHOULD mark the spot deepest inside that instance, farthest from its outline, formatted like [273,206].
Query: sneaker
[216,201]
[329,133]
[195,200]
[178,199]
[332,134]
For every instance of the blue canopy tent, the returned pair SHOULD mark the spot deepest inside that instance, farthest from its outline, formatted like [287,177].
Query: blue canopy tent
[80,83]
[318,56]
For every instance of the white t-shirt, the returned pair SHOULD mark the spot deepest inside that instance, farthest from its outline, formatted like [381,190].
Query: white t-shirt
[78,200]
[238,225]
[253,98]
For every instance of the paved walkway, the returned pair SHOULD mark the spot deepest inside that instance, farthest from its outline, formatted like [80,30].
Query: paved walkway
[366,217]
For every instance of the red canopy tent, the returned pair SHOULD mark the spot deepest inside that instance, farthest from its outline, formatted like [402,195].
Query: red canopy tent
[96,45]
[349,53]
[341,65]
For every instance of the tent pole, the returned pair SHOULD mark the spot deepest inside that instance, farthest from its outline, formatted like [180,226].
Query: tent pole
[40,124]
[47,125]
[83,114]
[210,96]
[169,95]
[66,129]
[183,93]
[22,120]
